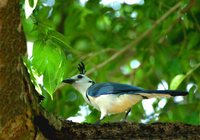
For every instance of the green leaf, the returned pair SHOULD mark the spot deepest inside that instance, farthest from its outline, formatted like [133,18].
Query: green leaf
[49,60]
[28,25]
[39,60]
[31,3]
[187,113]
[176,81]
[59,39]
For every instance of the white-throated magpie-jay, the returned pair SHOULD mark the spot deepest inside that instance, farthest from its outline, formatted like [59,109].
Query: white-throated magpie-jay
[112,98]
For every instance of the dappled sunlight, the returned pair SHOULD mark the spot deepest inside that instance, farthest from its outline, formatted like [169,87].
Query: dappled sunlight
[29,45]
[135,64]
[130,2]
[162,103]
[148,106]
[192,85]
[82,113]
[125,69]
[162,85]
[178,99]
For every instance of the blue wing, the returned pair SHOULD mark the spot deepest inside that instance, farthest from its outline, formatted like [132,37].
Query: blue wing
[119,89]
[112,88]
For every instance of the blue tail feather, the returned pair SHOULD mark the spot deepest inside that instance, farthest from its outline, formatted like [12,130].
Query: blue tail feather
[170,92]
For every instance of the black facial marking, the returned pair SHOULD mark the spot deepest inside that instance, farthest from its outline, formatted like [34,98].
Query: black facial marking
[91,82]
[88,98]
[80,76]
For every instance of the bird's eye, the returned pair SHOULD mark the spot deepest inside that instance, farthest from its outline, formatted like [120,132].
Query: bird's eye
[91,82]
[80,76]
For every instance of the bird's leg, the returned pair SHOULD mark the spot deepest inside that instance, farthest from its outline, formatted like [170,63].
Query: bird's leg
[103,114]
[127,112]
[99,121]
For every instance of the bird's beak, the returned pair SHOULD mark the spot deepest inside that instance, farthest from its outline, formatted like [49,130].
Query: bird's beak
[69,81]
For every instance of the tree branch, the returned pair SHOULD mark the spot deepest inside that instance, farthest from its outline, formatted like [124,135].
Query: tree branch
[139,39]
[72,130]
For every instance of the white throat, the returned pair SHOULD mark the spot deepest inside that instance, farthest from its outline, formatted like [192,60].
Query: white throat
[82,88]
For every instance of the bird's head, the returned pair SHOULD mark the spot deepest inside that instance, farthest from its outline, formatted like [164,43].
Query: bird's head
[80,81]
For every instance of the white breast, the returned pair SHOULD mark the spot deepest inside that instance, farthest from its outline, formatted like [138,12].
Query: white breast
[112,104]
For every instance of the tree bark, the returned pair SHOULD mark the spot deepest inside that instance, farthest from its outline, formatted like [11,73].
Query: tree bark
[21,116]
[16,92]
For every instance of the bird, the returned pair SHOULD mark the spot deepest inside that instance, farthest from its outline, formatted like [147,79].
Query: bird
[113,98]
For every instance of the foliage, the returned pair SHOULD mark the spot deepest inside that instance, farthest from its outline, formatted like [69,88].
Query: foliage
[165,42]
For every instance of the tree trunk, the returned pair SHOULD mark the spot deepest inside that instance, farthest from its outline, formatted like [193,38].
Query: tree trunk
[21,116]
[16,93]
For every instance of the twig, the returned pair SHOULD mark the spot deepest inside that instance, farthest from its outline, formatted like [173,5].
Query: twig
[140,38]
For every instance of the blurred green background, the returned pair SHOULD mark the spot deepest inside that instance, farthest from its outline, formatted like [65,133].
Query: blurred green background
[151,44]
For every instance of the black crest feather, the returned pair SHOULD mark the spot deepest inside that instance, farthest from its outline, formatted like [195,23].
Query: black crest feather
[81,68]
